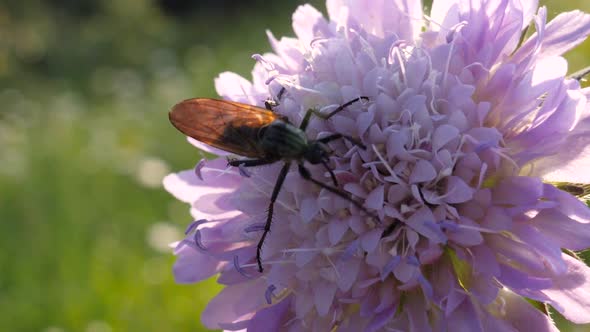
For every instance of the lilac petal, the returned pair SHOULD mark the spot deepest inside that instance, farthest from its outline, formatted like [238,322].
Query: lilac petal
[381,17]
[207,148]
[570,293]
[426,287]
[419,222]
[182,185]
[445,13]
[308,23]
[370,240]
[546,76]
[485,261]
[497,219]
[556,171]
[458,191]
[363,122]
[381,319]
[430,254]
[336,230]
[193,266]
[178,246]
[323,295]
[233,302]
[564,32]
[234,87]
[355,189]
[520,191]
[348,271]
[375,198]
[288,49]
[485,289]
[523,316]
[270,318]
[213,204]
[404,272]
[568,204]
[415,308]
[565,232]
[465,318]
[309,208]
[446,225]
[413,260]
[423,172]
[517,253]
[187,187]
[455,298]
[443,135]
[549,252]
[516,279]
[390,266]
[351,249]
[464,235]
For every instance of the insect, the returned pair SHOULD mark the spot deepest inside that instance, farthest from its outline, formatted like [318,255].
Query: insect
[580,190]
[263,137]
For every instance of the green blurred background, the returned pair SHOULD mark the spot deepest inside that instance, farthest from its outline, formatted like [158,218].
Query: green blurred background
[85,87]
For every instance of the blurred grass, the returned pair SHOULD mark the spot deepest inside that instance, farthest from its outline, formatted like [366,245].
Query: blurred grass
[84,142]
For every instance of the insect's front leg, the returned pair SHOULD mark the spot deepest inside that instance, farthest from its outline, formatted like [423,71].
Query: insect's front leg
[321,115]
[270,103]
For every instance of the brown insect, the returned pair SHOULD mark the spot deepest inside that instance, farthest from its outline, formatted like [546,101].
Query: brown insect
[264,137]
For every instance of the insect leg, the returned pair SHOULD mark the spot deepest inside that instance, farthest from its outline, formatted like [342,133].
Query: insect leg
[249,162]
[270,103]
[389,229]
[306,118]
[327,167]
[273,198]
[580,74]
[304,172]
[334,137]
[340,108]
[317,113]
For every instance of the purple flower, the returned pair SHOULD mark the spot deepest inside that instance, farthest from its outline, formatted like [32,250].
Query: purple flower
[462,127]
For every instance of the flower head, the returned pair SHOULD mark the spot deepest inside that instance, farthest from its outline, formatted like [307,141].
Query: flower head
[462,125]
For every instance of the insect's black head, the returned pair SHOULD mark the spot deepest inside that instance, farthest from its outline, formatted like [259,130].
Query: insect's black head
[317,152]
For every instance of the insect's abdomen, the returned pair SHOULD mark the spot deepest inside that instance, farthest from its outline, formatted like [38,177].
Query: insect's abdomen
[283,140]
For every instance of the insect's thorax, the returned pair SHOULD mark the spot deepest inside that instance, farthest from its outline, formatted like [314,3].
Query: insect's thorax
[282,140]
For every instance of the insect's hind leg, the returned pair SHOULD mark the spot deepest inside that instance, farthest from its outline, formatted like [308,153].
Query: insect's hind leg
[273,198]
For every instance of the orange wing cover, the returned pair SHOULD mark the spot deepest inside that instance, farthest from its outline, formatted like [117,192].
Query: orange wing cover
[226,125]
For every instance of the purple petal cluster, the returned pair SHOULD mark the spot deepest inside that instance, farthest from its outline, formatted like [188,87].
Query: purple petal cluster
[463,127]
